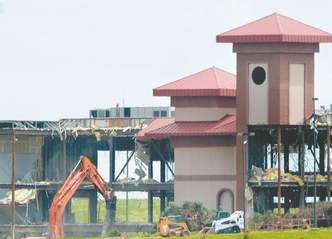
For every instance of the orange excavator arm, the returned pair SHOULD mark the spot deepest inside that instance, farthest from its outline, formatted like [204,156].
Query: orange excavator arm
[83,170]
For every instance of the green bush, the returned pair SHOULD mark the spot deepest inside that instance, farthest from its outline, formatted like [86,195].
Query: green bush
[193,213]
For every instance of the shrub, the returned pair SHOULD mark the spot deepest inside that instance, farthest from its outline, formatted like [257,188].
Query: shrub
[193,213]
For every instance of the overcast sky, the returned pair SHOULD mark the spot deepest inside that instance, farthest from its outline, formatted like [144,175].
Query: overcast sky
[61,58]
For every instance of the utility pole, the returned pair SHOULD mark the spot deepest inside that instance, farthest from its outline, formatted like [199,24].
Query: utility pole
[314,123]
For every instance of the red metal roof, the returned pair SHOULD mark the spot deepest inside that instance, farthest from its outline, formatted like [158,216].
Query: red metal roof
[275,28]
[155,124]
[224,126]
[210,82]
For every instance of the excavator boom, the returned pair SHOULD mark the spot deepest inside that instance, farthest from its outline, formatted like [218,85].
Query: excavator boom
[83,170]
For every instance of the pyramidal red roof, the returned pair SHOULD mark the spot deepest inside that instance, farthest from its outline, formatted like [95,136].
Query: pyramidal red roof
[226,126]
[275,28]
[210,82]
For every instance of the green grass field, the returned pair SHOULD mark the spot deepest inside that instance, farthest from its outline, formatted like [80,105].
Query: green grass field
[137,209]
[138,213]
[293,234]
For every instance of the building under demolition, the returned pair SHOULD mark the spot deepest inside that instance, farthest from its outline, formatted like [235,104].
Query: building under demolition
[248,141]
[37,156]
[251,140]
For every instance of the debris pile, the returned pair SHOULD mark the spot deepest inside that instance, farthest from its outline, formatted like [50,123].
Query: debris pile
[271,174]
[22,196]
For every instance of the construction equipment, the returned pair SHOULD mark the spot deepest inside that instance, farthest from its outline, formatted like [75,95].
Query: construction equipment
[83,170]
[231,224]
[221,214]
[225,223]
[173,226]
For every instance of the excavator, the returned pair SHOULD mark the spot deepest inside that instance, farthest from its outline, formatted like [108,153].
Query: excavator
[173,226]
[83,170]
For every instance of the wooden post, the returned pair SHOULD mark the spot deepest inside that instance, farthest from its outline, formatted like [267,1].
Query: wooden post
[279,172]
[13,221]
[328,145]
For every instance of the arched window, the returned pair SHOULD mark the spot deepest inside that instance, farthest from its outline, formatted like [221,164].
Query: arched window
[225,200]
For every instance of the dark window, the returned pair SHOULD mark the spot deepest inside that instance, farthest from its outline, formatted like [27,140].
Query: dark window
[107,113]
[126,112]
[155,113]
[93,113]
[258,75]
[163,113]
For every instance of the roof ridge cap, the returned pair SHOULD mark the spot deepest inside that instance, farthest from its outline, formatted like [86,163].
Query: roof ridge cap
[298,21]
[278,22]
[215,76]
[226,72]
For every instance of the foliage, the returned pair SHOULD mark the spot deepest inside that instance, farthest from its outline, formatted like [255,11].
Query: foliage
[324,211]
[194,214]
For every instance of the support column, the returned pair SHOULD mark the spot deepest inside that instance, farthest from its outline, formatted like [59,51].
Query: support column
[265,156]
[271,156]
[279,171]
[93,206]
[13,186]
[162,192]
[286,158]
[322,159]
[286,170]
[150,194]
[111,203]
[63,159]
[301,157]
[328,146]
[112,159]
[109,217]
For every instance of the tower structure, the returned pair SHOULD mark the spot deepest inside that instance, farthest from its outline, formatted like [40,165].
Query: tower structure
[275,77]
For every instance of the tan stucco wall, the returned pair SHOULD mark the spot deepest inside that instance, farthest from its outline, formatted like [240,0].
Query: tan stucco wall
[203,191]
[201,113]
[204,160]
[202,172]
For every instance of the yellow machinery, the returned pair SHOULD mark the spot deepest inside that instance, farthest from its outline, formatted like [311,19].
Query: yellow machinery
[173,226]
